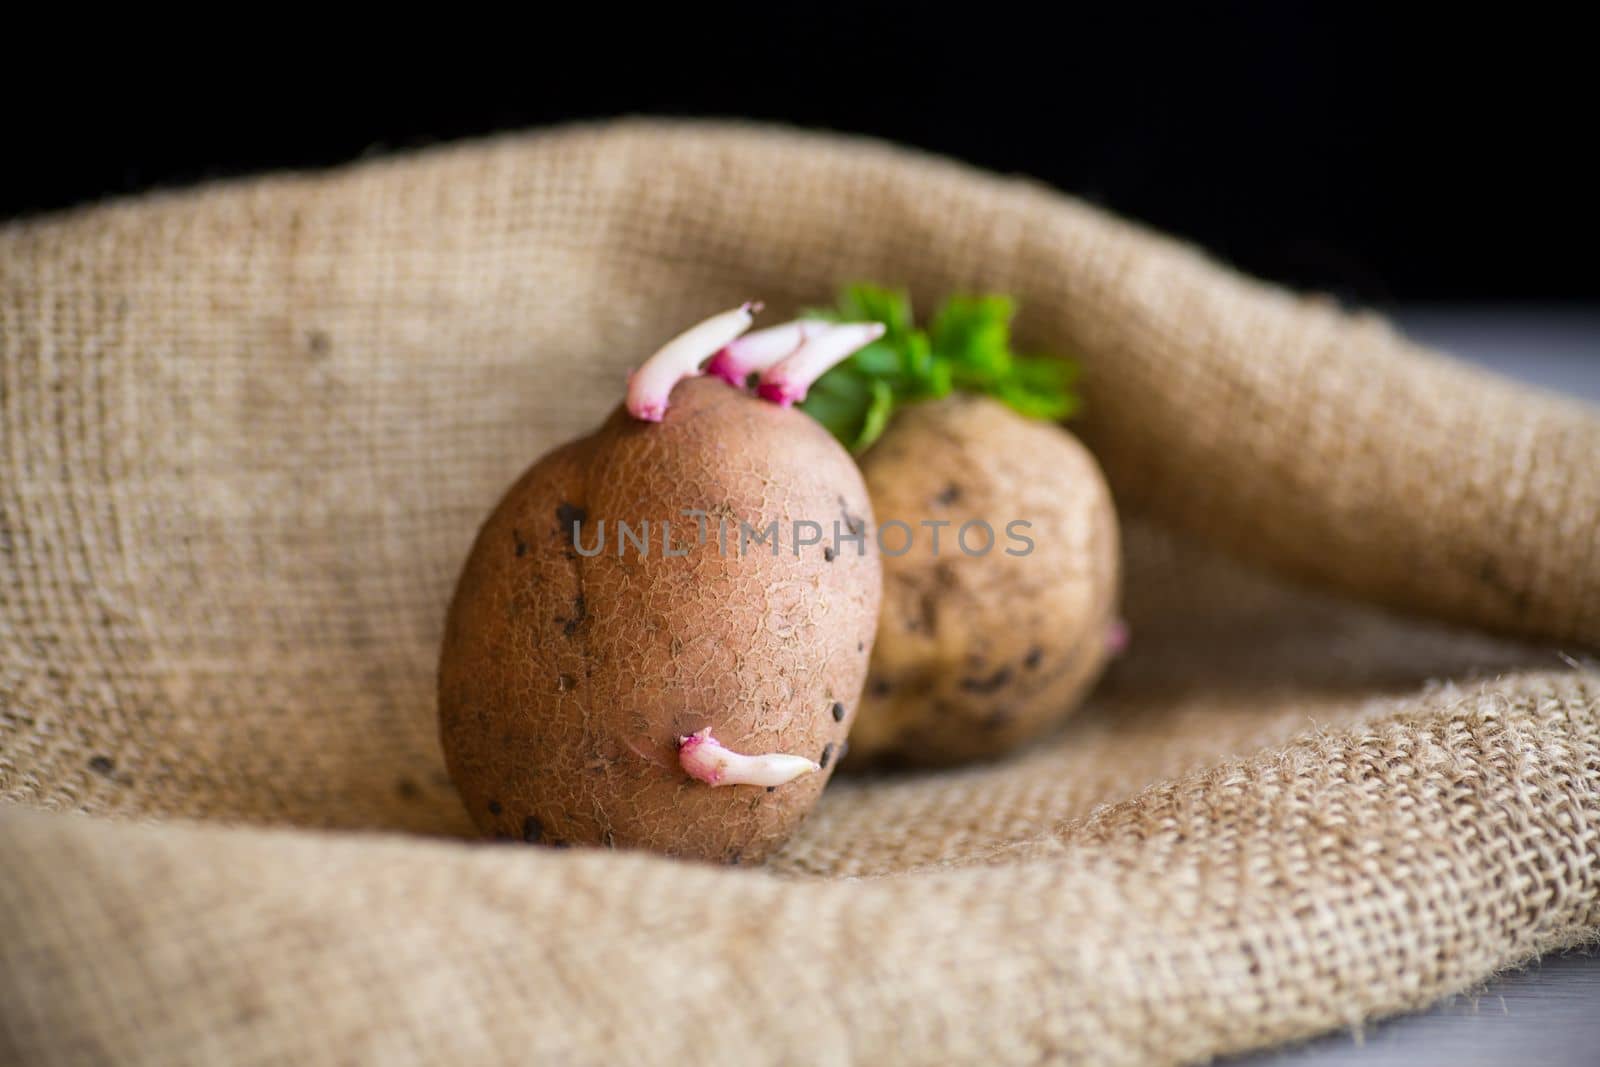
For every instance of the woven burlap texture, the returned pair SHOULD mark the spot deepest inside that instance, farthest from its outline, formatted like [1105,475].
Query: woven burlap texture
[246,435]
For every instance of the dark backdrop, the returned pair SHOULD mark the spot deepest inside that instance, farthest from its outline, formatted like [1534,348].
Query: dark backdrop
[1328,145]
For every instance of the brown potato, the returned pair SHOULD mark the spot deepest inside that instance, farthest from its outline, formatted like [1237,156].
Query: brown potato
[979,654]
[567,680]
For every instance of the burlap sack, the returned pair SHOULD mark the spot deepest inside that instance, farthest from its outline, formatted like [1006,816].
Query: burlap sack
[247,432]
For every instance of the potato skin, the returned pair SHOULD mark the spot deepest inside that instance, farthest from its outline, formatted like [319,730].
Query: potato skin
[977,655]
[565,681]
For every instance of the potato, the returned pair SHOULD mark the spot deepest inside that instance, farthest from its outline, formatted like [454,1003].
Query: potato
[568,681]
[978,654]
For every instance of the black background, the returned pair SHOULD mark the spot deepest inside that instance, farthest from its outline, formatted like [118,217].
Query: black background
[1334,146]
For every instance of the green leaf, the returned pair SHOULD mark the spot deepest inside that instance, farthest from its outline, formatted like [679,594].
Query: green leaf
[917,361]
[974,335]
[879,360]
[839,400]
[877,416]
[875,303]
[1036,405]
[940,382]
[967,346]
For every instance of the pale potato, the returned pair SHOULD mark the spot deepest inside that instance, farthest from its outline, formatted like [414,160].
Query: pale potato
[978,654]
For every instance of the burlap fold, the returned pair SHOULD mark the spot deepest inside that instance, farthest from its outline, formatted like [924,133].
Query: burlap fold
[247,432]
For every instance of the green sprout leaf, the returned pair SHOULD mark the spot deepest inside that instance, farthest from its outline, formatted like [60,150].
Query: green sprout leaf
[878,412]
[966,346]
[840,401]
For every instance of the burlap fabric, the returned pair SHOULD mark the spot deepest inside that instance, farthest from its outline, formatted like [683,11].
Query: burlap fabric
[246,435]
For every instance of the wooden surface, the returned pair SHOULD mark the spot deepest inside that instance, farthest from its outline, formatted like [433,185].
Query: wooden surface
[1547,1014]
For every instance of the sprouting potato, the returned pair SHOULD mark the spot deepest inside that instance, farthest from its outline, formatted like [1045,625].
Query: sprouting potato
[691,696]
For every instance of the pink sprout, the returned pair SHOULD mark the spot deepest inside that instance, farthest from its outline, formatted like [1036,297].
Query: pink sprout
[705,759]
[787,381]
[651,385]
[755,352]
